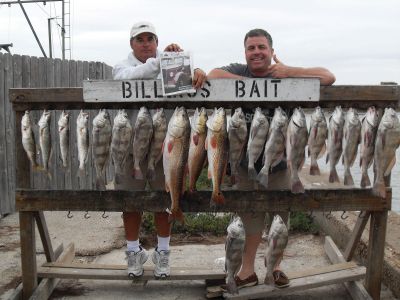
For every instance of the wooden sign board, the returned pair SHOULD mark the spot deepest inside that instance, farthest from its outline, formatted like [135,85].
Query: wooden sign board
[257,89]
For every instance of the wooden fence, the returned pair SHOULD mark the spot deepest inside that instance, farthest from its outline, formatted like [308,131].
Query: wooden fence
[21,71]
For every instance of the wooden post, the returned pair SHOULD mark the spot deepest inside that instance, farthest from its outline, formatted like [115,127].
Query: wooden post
[356,235]
[28,253]
[376,249]
[44,235]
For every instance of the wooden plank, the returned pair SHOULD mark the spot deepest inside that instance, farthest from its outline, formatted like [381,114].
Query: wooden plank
[316,200]
[355,288]
[4,196]
[352,244]
[17,294]
[28,253]
[105,274]
[72,98]
[321,270]
[44,235]
[47,285]
[299,284]
[376,251]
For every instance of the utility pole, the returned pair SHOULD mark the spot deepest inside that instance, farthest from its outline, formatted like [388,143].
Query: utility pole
[20,2]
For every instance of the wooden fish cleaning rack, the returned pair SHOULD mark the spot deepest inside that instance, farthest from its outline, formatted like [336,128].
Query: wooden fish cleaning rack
[39,282]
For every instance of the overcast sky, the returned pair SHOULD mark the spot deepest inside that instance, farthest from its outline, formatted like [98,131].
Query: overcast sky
[357,40]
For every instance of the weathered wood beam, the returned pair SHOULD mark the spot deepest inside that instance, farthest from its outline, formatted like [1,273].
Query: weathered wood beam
[72,98]
[237,201]
[352,244]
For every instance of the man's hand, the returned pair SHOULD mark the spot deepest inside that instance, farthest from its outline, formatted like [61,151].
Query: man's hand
[278,70]
[199,78]
[173,48]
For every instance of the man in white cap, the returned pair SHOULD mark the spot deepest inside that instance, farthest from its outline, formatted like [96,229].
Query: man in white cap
[143,63]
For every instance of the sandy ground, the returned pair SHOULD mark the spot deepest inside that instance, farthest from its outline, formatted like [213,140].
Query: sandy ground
[102,241]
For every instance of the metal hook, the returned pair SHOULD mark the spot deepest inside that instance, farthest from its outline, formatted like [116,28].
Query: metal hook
[104,215]
[363,216]
[329,215]
[69,215]
[86,216]
[342,216]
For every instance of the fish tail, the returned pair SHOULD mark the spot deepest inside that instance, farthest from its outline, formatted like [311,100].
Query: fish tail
[49,175]
[137,173]
[252,172]
[297,187]
[314,170]
[269,278]
[365,180]
[118,178]
[333,176]
[100,184]
[217,197]
[262,177]
[151,174]
[231,286]
[80,173]
[348,179]
[176,214]
[379,189]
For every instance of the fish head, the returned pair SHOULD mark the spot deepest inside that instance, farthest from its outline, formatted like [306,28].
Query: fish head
[259,116]
[26,120]
[278,226]
[217,122]
[199,120]
[179,123]
[318,115]
[101,119]
[64,117]
[159,119]
[83,119]
[121,118]
[298,117]
[279,119]
[238,118]
[352,116]
[45,118]
[390,119]
[236,228]
[143,116]
[372,116]
[338,116]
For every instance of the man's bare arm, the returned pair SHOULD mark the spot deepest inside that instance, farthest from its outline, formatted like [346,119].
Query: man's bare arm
[280,70]
[219,73]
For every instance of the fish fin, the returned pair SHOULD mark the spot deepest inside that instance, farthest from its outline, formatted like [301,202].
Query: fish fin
[314,170]
[343,160]
[322,152]
[370,163]
[278,160]
[333,176]
[390,166]
[327,157]
[170,146]
[262,177]
[348,179]
[252,173]
[269,279]
[206,143]
[213,142]
[218,198]
[361,160]
[365,180]
[176,215]
[166,188]
[379,189]
[205,164]
[297,187]
[137,173]
[49,175]
[196,139]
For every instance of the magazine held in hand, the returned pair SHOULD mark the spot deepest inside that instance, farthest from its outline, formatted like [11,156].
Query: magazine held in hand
[177,73]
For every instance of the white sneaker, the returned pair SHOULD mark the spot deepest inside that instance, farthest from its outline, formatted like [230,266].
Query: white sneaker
[161,261]
[136,261]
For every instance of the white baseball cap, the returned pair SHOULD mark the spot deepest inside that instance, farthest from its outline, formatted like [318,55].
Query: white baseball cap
[141,27]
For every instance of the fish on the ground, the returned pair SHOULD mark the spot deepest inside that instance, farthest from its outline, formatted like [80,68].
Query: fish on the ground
[143,132]
[234,247]
[237,137]
[217,152]
[82,140]
[175,155]
[63,132]
[120,142]
[275,146]
[197,150]
[258,136]
[28,139]
[351,139]
[335,137]
[276,243]
[369,128]
[386,144]
[317,139]
[159,132]
[296,141]
[45,140]
[101,133]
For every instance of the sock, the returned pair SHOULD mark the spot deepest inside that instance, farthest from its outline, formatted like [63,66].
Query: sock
[133,246]
[163,243]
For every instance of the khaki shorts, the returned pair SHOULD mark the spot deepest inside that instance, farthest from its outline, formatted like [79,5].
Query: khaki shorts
[256,222]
